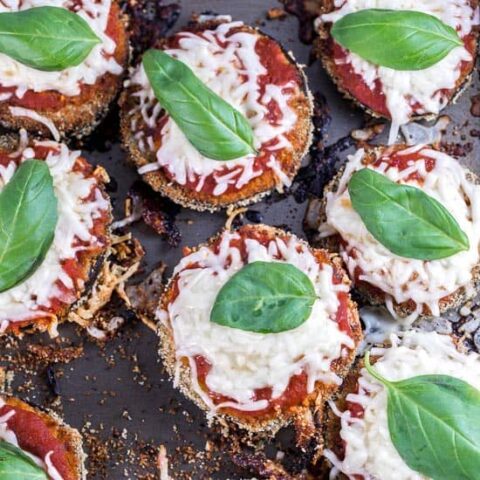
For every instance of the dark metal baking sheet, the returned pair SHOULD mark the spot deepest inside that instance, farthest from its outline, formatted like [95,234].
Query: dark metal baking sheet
[118,395]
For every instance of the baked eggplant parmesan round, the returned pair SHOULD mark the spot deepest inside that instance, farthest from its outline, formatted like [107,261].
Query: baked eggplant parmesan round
[67,101]
[222,322]
[38,444]
[250,72]
[410,235]
[401,95]
[55,239]
[358,436]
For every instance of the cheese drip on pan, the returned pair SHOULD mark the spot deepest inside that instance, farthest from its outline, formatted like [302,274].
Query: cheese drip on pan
[230,66]
[369,450]
[76,215]
[403,89]
[68,82]
[8,435]
[404,279]
[242,361]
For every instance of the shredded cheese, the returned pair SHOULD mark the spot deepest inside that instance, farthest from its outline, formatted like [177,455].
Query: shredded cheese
[76,214]
[404,89]
[369,450]
[25,112]
[403,279]
[230,66]
[245,361]
[68,82]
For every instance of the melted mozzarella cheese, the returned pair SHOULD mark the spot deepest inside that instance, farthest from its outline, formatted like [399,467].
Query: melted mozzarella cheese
[68,82]
[8,435]
[75,220]
[403,279]
[245,361]
[369,450]
[230,66]
[403,89]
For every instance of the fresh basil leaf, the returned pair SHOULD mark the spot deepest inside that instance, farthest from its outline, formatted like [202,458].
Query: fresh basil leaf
[28,217]
[16,465]
[397,39]
[265,297]
[46,38]
[405,219]
[216,129]
[434,424]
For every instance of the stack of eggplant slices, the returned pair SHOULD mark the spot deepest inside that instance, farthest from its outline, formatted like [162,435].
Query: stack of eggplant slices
[257,327]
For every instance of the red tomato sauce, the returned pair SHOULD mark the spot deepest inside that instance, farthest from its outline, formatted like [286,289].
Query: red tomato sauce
[374,98]
[74,267]
[51,99]
[296,391]
[34,436]
[280,72]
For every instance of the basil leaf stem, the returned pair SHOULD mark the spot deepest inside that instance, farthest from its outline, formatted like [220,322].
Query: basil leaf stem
[46,38]
[397,39]
[404,219]
[16,465]
[216,129]
[265,297]
[433,421]
[28,217]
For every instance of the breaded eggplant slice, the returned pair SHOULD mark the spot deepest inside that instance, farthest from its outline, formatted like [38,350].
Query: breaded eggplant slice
[376,272]
[345,439]
[71,103]
[235,375]
[376,89]
[54,445]
[81,243]
[270,90]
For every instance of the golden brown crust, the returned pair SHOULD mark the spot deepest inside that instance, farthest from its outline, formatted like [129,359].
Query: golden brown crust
[374,295]
[68,436]
[270,423]
[322,48]
[89,261]
[76,116]
[300,138]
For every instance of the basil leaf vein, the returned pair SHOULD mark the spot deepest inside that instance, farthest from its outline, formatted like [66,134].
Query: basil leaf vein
[397,39]
[16,465]
[265,297]
[216,129]
[433,424]
[28,217]
[404,219]
[46,38]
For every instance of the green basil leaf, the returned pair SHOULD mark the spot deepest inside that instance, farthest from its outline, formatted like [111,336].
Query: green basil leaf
[434,424]
[405,219]
[28,217]
[265,297]
[46,38]
[16,465]
[216,129]
[398,39]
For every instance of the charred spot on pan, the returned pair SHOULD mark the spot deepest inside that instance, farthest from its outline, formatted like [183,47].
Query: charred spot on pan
[306,12]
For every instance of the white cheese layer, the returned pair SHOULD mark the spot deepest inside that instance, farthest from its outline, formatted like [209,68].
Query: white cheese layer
[75,219]
[230,66]
[245,361]
[403,89]
[8,435]
[403,279]
[369,450]
[68,82]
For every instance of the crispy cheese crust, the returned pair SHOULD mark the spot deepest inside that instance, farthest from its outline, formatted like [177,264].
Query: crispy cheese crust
[68,436]
[323,50]
[75,116]
[265,424]
[300,138]
[374,295]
